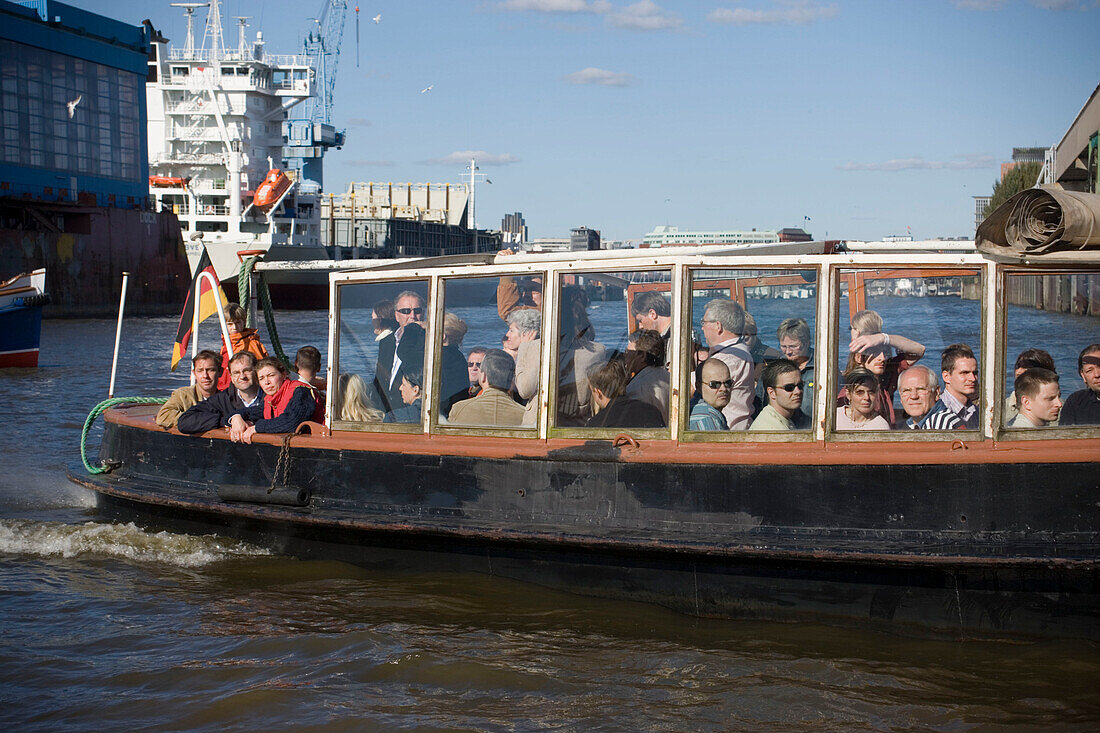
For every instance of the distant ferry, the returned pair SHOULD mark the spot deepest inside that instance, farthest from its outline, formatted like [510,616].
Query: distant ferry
[668,236]
[21,301]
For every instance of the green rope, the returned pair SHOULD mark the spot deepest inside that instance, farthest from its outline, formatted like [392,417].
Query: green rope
[244,292]
[96,411]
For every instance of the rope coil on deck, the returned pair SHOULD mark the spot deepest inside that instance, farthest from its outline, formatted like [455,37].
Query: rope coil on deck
[96,412]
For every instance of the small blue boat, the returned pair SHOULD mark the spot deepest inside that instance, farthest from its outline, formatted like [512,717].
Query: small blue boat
[21,301]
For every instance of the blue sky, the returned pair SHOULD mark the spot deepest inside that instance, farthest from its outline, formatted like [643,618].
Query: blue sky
[868,117]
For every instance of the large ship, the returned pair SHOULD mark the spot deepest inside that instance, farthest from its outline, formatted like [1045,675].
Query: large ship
[218,121]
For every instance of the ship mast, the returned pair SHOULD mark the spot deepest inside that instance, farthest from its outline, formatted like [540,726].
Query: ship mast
[189,8]
[213,32]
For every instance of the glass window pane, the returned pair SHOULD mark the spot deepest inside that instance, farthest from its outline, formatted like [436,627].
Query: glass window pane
[758,327]
[1051,324]
[612,364]
[380,352]
[892,320]
[491,352]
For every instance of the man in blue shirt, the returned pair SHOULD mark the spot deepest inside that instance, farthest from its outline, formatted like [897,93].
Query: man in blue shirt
[716,387]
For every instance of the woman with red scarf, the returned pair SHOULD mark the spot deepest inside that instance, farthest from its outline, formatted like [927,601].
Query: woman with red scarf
[287,404]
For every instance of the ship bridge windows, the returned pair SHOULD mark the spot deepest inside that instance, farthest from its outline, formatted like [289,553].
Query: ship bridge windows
[750,361]
[378,356]
[909,353]
[1051,358]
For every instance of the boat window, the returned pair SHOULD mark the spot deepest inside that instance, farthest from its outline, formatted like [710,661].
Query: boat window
[612,350]
[751,357]
[908,350]
[490,352]
[1052,350]
[379,359]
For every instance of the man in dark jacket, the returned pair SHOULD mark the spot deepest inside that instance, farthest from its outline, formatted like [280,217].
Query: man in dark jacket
[616,409]
[213,413]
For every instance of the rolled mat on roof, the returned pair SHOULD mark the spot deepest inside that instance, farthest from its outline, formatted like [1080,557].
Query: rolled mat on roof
[1041,221]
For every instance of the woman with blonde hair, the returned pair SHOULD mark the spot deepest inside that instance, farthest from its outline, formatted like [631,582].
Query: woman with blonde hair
[354,403]
[873,350]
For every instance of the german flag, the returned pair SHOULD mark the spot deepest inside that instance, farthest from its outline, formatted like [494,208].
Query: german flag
[207,307]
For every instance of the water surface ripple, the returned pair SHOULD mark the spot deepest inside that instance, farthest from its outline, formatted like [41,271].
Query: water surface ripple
[117,627]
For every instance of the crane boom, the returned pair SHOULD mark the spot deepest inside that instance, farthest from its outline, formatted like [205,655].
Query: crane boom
[310,132]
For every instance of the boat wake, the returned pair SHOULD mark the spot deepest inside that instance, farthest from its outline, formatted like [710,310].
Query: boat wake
[127,541]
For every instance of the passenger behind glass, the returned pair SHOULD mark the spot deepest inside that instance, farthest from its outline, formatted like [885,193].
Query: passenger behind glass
[959,369]
[920,389]
[516,293]
[411,389]
[723,328]
[579,356]
[455,374]
[796,343]
[405,345]
[645,366]
[863,389]
[871,349]
[524,331]
[784,387]
[653,313]
[1026,360]
[615,409]
[493,406]
[382,319]
[473,369]
[1083,406]
[354,402]
[1039,398]
[715,385]
[524,326]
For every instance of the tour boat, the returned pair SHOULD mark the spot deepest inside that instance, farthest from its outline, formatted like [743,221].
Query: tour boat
[990,531]
[21,301]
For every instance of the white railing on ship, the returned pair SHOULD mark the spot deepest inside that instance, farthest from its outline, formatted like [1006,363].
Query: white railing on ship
[268,59]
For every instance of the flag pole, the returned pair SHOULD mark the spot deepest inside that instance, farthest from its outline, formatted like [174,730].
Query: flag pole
[118,334]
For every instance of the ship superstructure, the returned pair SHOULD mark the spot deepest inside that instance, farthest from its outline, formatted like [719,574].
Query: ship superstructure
[216,132]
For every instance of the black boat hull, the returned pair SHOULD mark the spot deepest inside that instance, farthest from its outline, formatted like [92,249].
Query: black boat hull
[839,544]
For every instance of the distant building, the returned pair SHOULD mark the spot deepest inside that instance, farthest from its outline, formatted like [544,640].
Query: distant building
[74,116]
[1022,155]
[668,236]
[898,238]
[513,229]
[981,204]
[794,234]
[583,239]
[550,244]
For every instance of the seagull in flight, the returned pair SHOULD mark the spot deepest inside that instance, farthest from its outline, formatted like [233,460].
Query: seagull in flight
[72,105]
[427,88]
[377,19]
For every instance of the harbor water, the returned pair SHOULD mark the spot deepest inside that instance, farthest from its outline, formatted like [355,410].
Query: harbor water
[114,626]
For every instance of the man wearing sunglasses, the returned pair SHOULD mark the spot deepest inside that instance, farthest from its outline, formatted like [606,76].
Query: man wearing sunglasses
[785,389]
[409,312]
[715,387]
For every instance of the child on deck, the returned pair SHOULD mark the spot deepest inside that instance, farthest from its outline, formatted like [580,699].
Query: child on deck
[307,362]
[243,339]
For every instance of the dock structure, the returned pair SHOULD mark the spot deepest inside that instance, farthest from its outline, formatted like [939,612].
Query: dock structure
[403,220]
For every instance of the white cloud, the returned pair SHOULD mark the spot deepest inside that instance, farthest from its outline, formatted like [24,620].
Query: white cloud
[782,11]
[600,77]
[369,163]
[970,161]
[1055,4]
[645,15]
[557,6]
[359,122]
[483,158]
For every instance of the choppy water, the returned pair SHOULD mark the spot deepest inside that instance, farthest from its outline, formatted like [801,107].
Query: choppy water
[114,627]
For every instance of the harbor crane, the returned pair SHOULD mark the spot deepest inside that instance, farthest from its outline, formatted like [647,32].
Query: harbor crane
[309,131]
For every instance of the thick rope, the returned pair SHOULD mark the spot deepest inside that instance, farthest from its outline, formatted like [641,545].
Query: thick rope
[96,411]
[244,293]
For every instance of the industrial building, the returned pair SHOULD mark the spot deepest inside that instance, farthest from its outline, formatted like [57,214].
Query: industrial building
[73,162]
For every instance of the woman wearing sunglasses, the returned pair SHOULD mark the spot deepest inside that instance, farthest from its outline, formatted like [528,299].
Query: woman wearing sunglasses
[783,384]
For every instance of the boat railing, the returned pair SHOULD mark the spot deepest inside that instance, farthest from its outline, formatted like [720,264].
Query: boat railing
[206,280]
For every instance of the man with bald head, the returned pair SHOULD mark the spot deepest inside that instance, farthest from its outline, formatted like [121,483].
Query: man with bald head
[716,387]
[920,389]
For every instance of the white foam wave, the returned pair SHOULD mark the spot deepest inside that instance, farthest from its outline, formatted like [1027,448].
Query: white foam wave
[57,539]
